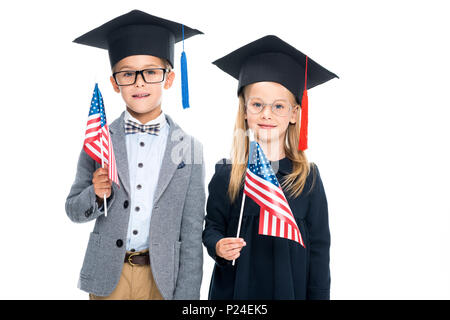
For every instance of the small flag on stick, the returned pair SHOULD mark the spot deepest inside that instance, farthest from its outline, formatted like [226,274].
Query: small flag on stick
[97,141]
[261,185]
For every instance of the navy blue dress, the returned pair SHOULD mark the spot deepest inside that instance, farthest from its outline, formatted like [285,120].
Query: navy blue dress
[269,267]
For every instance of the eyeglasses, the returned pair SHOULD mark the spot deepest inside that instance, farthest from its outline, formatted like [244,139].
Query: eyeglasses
[279,107]
[128,77]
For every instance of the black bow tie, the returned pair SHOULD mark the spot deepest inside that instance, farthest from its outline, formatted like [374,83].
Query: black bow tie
[133,127]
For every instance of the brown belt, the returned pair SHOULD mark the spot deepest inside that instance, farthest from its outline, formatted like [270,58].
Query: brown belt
[137,258]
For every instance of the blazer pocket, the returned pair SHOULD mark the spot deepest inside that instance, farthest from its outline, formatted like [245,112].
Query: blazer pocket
[176,260]
[91,255]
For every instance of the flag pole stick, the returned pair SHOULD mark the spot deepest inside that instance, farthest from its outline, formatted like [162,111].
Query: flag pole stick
[240,220]
[103,165]
[101,151]
[104,197]
[251,136]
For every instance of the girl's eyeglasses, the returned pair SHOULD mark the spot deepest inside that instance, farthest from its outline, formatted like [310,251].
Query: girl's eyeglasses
[279,107]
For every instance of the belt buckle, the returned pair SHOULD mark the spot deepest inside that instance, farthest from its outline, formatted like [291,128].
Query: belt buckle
[132,255]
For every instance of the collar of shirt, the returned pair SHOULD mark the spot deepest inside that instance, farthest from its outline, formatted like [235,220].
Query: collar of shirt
[161,119]
[284,165]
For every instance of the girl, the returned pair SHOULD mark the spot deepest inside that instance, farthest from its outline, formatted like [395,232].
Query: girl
[272,77]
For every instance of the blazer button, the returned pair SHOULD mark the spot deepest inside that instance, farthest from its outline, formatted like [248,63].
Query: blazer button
[125,204]
[119,243]
[88,212]
[181,165]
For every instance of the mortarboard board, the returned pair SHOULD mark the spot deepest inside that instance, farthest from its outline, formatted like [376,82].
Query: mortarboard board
[136,33]
[272,59]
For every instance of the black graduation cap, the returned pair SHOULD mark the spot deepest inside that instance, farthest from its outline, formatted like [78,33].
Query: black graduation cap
[137,32]
[272,59]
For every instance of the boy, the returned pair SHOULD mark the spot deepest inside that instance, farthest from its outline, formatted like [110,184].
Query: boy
[149,246]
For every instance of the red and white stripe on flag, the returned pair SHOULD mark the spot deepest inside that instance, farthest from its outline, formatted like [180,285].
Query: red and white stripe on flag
[98,145]
[275,218]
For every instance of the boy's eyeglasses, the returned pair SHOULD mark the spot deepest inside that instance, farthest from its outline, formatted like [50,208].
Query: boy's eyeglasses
[128,77]
[279,107]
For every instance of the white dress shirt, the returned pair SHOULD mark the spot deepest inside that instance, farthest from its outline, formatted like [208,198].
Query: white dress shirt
[145,153]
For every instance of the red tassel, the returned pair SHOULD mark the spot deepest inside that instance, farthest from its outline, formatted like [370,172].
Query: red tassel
[303,141]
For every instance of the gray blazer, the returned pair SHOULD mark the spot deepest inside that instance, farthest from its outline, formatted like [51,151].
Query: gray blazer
[175,244]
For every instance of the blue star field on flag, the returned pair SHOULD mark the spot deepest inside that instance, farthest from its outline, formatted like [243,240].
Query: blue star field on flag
[259,165]
[97,105]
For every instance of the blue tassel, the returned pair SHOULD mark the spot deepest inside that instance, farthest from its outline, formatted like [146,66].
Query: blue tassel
[184,81]
[184,77]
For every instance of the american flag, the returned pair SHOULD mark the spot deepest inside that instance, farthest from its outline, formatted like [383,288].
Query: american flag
[97,142]
[261,184]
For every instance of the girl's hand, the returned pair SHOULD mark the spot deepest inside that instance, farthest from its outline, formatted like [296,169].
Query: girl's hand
[102,183]
[229,248]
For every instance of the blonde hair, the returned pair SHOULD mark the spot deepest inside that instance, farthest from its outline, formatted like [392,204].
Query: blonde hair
[293,183]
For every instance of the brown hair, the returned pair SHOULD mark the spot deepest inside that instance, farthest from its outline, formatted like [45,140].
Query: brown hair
[165,63]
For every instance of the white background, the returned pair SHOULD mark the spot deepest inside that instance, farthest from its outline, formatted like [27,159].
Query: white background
[379,134]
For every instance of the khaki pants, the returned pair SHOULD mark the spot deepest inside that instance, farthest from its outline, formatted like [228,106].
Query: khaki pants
[136,283]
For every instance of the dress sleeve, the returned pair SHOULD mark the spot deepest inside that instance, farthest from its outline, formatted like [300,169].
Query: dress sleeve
[319,241]
[217,211]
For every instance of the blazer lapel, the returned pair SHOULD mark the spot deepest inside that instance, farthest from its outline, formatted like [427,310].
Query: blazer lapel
[169,166]
[117,131]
